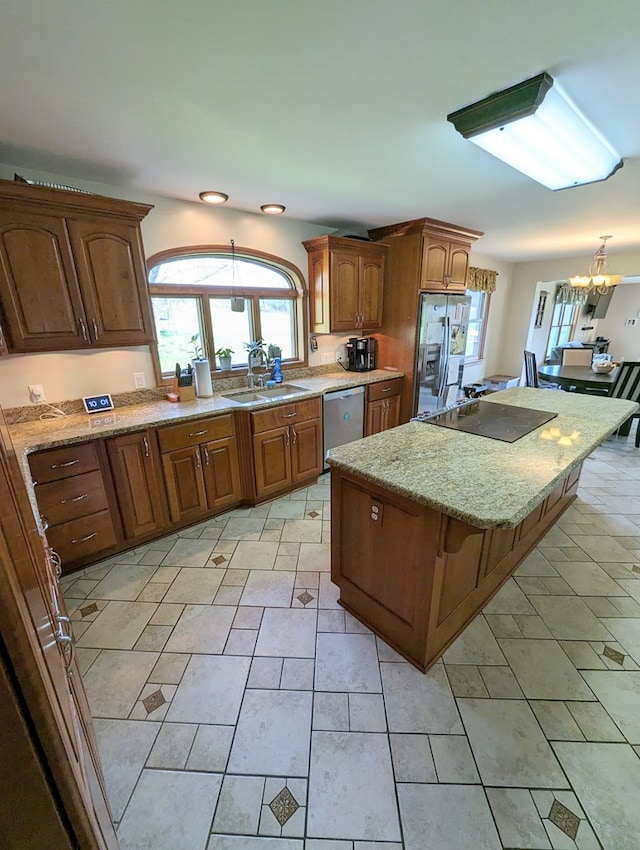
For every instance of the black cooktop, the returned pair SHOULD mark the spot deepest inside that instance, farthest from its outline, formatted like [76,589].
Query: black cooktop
[489,419]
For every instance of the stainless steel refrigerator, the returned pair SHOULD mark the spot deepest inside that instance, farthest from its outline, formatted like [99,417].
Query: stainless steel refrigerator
[442,337]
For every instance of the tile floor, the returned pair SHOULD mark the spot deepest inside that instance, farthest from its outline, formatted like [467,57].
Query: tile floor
[238,707]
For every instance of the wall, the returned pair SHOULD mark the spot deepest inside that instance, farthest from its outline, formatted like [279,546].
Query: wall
[625,340]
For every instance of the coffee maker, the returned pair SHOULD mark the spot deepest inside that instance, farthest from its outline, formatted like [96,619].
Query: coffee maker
[361,353]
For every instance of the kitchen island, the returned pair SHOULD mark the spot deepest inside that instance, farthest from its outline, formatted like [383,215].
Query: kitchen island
[429,522]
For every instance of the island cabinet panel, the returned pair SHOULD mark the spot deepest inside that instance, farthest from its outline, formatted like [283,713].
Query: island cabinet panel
[417,576]
[85,252]
[138,483]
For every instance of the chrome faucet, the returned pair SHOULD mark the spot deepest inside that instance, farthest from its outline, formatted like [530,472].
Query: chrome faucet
[251,378]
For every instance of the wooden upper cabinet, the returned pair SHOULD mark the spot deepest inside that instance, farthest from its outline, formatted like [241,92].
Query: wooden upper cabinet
[444,265]
[72,270]
[346,279]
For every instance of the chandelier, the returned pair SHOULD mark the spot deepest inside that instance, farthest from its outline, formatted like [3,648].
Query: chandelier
[597,280]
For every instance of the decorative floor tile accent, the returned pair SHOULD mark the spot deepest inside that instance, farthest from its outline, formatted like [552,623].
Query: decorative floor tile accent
[305,597]
[283,806]
[153,701]
[313,514]
[613,654]
[219,559]
[89,609]
[564,819]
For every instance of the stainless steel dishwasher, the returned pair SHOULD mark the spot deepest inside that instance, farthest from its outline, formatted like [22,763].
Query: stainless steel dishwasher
[343,418]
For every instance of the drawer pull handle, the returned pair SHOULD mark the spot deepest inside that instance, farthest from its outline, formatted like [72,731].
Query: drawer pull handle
[95,329]
[199,433]
[75,499]
[145,443]
[289,415]
[84,539]
[62,465]
[386,390]
[206,455]
[83,330]
[294,435]
[65,642]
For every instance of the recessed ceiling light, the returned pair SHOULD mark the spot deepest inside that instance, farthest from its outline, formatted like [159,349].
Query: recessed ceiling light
[213,197]
[273,209]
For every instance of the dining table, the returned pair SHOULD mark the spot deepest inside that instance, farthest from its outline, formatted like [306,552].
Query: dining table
[582,379]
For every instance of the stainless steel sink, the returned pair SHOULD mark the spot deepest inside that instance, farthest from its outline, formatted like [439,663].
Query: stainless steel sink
[280,391]
[262,394]
[244,398]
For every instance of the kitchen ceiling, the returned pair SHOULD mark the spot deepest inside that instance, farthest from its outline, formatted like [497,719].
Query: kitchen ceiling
[335,109]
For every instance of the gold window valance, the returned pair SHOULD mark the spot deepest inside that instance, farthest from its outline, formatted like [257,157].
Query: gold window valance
[481,279]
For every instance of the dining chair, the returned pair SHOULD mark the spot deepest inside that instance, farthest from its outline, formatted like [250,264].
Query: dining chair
[531,373]
[577,356]
[627,386]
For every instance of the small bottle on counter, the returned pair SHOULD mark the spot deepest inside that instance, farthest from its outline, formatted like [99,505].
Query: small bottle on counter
[276,372]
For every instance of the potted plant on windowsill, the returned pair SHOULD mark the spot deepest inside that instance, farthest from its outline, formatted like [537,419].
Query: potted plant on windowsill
[256,354]
[224,358]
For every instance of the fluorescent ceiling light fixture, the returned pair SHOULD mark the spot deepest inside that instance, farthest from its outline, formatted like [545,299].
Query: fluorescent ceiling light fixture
[535,128]
[213,197]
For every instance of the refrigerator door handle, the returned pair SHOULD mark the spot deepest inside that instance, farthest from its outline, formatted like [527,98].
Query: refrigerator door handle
[444,359]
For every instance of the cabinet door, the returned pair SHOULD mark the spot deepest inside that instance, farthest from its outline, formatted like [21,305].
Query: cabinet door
[458,266]
[39,293]
[185,483]
[138,483]
[109,261]
[272,460]
[375,417]
[371,292]
[344,276]
[435,258]
[221,472]
[392,412]
[306,450]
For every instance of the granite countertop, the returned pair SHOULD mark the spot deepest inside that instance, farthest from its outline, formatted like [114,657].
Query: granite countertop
[48,433]
[485,482]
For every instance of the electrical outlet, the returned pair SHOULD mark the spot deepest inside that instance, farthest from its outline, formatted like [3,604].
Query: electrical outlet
[138,380]
[328,357]
[36,393]
[631,323]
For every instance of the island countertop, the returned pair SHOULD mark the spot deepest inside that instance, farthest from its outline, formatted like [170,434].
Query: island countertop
[485,482]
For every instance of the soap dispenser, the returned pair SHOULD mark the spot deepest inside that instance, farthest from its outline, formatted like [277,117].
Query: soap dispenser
[276,372]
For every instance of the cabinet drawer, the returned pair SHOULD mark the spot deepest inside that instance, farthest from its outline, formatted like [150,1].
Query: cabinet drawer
[196,432]
[61,501]
[54,464]
[285,414]
[82,537]
[384,389]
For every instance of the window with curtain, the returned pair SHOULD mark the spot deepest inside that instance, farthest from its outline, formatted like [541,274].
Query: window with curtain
[478,310]
[213,298]
[562,322]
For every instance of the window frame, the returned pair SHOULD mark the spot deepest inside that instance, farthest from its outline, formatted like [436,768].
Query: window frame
[298,293]
[470,359]
[571,324]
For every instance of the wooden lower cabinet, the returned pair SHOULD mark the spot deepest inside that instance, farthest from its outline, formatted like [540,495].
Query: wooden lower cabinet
[383,406]
[137,479]
[73,486]
[201,475]
[287,446]
[51,781]
[416,576]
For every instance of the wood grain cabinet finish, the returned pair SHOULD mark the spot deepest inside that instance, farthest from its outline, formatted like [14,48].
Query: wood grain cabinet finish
[72,494]
[287,446]
[416,576]
[52,787]
[201,468]
[422,255]
[138,483]
[85,252]
[383,406]
[346,283]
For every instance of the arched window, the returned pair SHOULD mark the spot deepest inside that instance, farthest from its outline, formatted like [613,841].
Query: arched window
[211,298]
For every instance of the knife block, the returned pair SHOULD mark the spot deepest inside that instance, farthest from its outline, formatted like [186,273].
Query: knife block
[187,393]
